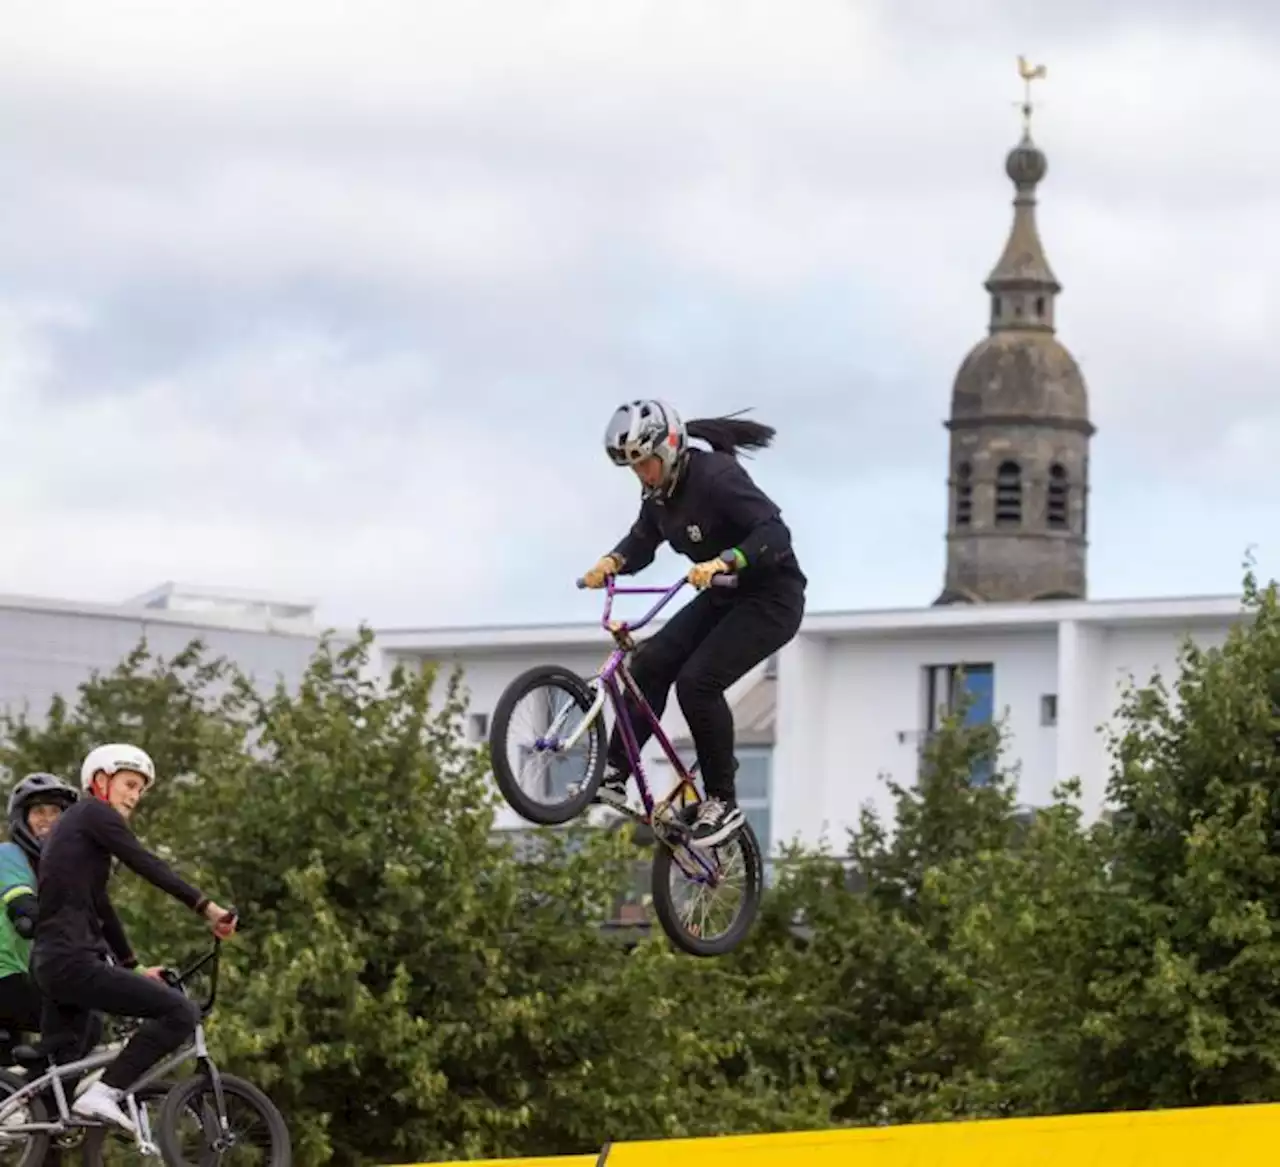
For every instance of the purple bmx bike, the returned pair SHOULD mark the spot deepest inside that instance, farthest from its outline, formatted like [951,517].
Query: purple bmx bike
[706,898]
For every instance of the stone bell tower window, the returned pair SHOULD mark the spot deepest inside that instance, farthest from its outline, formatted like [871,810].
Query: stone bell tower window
[1057,511]
[964,494]
[1008,494]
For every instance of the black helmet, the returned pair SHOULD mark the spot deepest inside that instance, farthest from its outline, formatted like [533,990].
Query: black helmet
[35,790]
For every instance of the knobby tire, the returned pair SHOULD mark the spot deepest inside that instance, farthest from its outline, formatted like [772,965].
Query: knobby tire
[530,809]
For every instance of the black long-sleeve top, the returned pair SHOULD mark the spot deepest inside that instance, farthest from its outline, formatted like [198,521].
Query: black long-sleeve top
[715,508]
[75,913]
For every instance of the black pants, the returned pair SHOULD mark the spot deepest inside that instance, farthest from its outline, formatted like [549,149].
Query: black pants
[75,985]
[19,1005]
[713,641]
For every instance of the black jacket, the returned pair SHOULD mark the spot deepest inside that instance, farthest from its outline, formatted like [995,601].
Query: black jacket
[75,916]
[715,508]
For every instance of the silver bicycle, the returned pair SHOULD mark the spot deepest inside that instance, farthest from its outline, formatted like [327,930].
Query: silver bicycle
[204,1118]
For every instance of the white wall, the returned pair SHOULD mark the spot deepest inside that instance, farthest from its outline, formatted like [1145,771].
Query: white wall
[802,781]
[48,651]
[851,706]
[870,716]
[1110,659]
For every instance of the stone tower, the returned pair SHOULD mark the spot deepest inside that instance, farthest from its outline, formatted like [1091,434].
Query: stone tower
[1019,461]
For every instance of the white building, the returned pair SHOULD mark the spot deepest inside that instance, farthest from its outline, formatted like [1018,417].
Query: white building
[50,647]
[852,697]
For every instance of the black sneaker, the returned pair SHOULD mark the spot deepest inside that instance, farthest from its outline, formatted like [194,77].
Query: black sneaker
[612,791]
[716,822]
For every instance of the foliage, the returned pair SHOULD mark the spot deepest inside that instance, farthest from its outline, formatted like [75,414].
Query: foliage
[411,985]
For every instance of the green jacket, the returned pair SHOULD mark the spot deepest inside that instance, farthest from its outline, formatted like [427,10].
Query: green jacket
[16,879]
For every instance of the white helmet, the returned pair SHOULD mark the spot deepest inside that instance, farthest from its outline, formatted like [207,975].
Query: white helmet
[113,758]
[643,429]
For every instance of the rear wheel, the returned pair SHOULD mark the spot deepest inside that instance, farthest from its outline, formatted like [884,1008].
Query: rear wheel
[535,715]
[17,1149]
[706,899]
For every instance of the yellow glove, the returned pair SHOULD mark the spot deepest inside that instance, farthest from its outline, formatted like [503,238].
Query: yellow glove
[700,573]
[606,566]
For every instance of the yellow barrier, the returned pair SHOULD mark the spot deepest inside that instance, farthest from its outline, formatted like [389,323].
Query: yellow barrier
[1241,1136]
[548,1161]
[1237,1135]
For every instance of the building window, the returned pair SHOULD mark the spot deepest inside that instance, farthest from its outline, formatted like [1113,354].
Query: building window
[948,687]
[1058,496]
[996,307]
[1040,307]
[477,727]
[1049,709]
[753,782]
[964,494]
[1008,494]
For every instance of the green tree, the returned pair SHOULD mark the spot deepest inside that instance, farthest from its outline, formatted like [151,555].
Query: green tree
[407,985]
[1186,1011]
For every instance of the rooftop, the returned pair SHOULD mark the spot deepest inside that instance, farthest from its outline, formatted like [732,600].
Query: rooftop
[870,623]
[194,608]
[175,597]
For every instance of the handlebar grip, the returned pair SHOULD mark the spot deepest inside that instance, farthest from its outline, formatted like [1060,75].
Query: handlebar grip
[724,581]
[228,918]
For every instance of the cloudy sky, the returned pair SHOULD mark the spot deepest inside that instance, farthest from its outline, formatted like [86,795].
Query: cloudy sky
[334,300]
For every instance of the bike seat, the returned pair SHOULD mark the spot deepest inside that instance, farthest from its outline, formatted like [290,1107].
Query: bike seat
[36,1055]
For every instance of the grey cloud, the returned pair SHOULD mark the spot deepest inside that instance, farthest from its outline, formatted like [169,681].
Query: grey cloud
[403,307]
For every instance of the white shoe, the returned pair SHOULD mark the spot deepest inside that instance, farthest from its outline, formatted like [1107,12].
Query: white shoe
[102,1102]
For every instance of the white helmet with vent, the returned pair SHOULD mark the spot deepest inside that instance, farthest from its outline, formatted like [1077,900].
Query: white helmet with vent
[114,757]
[643,429]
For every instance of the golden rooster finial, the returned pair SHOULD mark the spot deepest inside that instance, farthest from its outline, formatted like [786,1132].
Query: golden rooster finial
[1029,74]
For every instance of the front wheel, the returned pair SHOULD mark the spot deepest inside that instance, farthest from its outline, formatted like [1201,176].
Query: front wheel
[255,1129]
[689,883]
[547,784]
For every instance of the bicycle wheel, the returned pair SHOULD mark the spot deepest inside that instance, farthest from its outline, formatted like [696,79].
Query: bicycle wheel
[559,700]
[736,866]
[22,1150]
[256,1130]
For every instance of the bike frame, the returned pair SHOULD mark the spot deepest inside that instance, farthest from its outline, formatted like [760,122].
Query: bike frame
[56,1075]
[613,680]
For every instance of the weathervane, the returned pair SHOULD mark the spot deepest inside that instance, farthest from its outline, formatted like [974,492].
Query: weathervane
[1029,73]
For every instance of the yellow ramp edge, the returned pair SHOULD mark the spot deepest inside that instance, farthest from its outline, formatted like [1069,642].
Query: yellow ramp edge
[544,1161]
[1237,1135]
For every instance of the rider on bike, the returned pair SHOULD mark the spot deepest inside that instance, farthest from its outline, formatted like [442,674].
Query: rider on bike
[78,931]
[35,805]
[706,506]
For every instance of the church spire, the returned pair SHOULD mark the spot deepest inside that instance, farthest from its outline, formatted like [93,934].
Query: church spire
[1022,284]
[1018,488]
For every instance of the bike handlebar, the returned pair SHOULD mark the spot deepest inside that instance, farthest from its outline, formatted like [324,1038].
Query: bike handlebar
[177,979]
[717,581]
[611,589]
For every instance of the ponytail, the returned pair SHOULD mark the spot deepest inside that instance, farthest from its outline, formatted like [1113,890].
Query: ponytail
[730,433]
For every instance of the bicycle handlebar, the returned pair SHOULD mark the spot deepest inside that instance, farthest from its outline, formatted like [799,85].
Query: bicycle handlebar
[666,594]
[177,979]
[717,581]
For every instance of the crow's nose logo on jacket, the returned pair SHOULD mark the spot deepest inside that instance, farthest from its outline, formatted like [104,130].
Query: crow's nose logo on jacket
[694,532]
